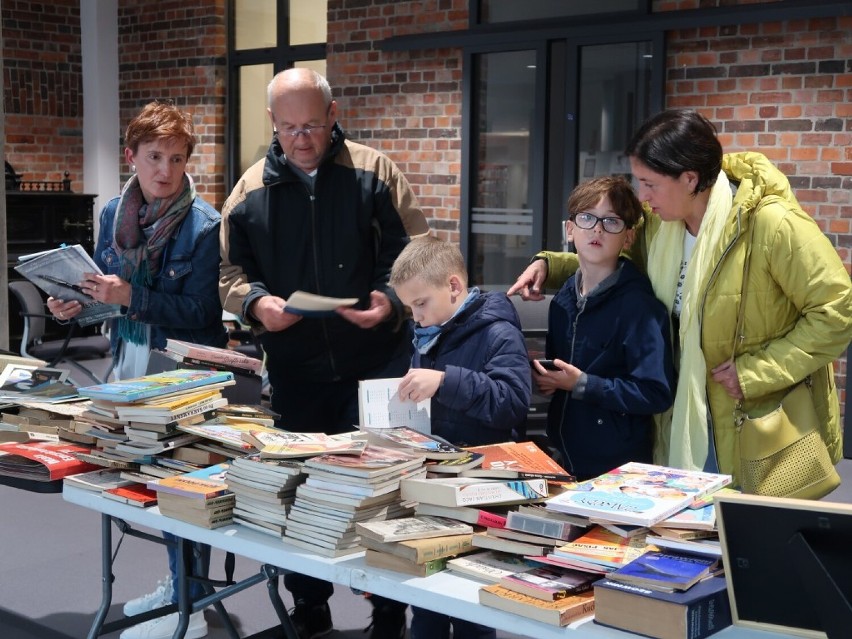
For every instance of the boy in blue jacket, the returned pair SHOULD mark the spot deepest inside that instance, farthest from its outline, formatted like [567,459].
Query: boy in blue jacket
[470,359]
[610,340]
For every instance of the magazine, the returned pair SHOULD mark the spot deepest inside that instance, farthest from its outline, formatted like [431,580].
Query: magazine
[635,493]
[58,272]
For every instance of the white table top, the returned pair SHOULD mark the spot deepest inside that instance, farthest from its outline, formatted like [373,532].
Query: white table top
[445,592]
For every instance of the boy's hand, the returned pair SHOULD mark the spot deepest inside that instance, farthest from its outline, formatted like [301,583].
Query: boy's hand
[548,381]
[531,282]
[419,384]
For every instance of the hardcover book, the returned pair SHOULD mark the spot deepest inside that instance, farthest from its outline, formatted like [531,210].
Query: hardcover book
[699,612]
[58,272]
[43,461]
[469,491]
[665,571]
[556,613]
[418,527]
[549,583]
[521,460]
[634,493]
[156,385]
[420,551]
[380,406]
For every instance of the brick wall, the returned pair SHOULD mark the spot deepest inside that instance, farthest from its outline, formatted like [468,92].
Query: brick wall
[177,50]
[43,89]
[407,104]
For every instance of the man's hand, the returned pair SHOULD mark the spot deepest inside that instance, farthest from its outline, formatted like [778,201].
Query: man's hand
[380,310]
[531,282]
[548,381]
[270,310]
[419,384]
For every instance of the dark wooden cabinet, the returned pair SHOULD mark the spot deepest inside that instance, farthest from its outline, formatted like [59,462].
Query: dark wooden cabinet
[37,221]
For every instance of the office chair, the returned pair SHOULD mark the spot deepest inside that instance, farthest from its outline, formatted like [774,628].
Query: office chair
[70,350]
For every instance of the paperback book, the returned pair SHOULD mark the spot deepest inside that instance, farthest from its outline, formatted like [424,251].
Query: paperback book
[489,566]
[417,527]
[313,305]
[398,564]
[375,461]
[470,491]
[214,355]
[97,480]
[280,444]
[666,571]
[42,461]
[549,583]
[635,493]
[420,551]
[560,612]
[493,517]
[603,548]
[198,484]
[517,460]
[156,385]
[58,272]
[380,406]
[456,465]
[133,494]
[414,441]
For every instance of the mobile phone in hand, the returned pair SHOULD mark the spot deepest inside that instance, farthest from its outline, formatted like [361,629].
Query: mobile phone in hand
[546,364]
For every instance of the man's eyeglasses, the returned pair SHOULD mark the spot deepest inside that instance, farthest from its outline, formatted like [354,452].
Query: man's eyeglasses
[306,131]
[588,221]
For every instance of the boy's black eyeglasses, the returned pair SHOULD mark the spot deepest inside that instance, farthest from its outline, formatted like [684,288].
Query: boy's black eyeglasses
[588,221]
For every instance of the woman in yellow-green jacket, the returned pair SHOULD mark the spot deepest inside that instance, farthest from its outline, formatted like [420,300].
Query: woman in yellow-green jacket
[700,209]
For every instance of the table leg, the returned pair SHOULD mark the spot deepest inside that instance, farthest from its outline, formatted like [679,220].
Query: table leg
[106,577]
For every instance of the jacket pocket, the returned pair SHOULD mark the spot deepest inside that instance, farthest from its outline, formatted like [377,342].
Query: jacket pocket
[173,275]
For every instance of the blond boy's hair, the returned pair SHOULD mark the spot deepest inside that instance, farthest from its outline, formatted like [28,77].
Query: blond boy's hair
[431,259]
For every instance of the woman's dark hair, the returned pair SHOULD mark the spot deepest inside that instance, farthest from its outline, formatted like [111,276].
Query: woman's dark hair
[678,140]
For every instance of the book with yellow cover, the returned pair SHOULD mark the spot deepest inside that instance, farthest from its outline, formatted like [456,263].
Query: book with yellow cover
[604,547]
[560,612]
[199,484]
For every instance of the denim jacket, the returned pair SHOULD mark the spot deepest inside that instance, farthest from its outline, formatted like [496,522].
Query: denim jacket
[183,301]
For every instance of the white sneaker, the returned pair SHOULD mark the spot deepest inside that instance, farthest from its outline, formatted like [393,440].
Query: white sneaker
[162,596]
[164,628]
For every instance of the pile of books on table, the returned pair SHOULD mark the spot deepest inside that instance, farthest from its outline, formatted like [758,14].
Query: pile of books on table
[264,489]
[200,497]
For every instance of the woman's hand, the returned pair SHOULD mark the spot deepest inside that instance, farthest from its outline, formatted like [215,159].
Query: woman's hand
[531,282]
[109,289]
[726,375]
[63,310]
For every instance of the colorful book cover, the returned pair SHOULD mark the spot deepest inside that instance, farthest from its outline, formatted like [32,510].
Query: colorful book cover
[282,444]
[134,494]
[470,491]
[215,355]
[42,461]
[523,460]
[635,493]
[198,484]
[155,385]
[604,548]
[414,441]
[665,571]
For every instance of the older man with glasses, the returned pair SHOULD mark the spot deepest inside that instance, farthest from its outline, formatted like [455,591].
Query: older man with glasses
[324,215]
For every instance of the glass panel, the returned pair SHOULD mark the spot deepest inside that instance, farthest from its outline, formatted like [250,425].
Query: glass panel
[254,24]
[501,220]
[615,82]
[492,11]
[255,127]
[308,21]
[317,65]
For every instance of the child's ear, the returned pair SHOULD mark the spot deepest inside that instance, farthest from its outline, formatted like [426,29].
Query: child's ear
[629,236]
[569,231]
[456,286]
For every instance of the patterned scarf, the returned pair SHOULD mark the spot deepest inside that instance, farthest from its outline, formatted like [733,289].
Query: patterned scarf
[139,252]
[682,438]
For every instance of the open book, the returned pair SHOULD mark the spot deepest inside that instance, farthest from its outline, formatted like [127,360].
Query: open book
[380,406]
[58,272]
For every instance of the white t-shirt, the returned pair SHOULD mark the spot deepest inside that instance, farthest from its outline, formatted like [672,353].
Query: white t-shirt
[688,246]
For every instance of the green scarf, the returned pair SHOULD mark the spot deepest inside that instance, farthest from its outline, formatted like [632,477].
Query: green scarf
[682,436]
[140,254]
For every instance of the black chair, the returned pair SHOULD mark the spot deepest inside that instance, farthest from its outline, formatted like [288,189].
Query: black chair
[71,350]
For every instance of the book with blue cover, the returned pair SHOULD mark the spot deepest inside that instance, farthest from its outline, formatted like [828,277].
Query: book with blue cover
[666,570]
[156,385]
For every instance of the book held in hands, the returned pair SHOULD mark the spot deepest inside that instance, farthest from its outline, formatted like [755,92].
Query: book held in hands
[380,406]
[58,272]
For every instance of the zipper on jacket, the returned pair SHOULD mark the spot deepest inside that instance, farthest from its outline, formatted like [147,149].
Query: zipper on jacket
[322,321]
[569,465]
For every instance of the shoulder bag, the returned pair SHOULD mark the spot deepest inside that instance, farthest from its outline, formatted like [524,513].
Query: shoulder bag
[782,453]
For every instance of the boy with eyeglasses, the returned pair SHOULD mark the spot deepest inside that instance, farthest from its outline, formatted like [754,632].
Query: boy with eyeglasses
[609,337]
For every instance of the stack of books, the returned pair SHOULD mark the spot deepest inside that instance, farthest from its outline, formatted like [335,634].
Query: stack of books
[199,497]
[344,489]
[210,357]
[417,545]
[265,490]
[528,533]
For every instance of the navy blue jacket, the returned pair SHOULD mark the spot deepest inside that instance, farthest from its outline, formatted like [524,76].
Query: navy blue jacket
[486,387]
[621,341]
[183,301]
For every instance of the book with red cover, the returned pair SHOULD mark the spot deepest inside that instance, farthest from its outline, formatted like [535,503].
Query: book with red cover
[135,495]
[516,460]
[42,461]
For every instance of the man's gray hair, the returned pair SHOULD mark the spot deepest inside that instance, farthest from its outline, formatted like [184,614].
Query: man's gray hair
[311,76]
